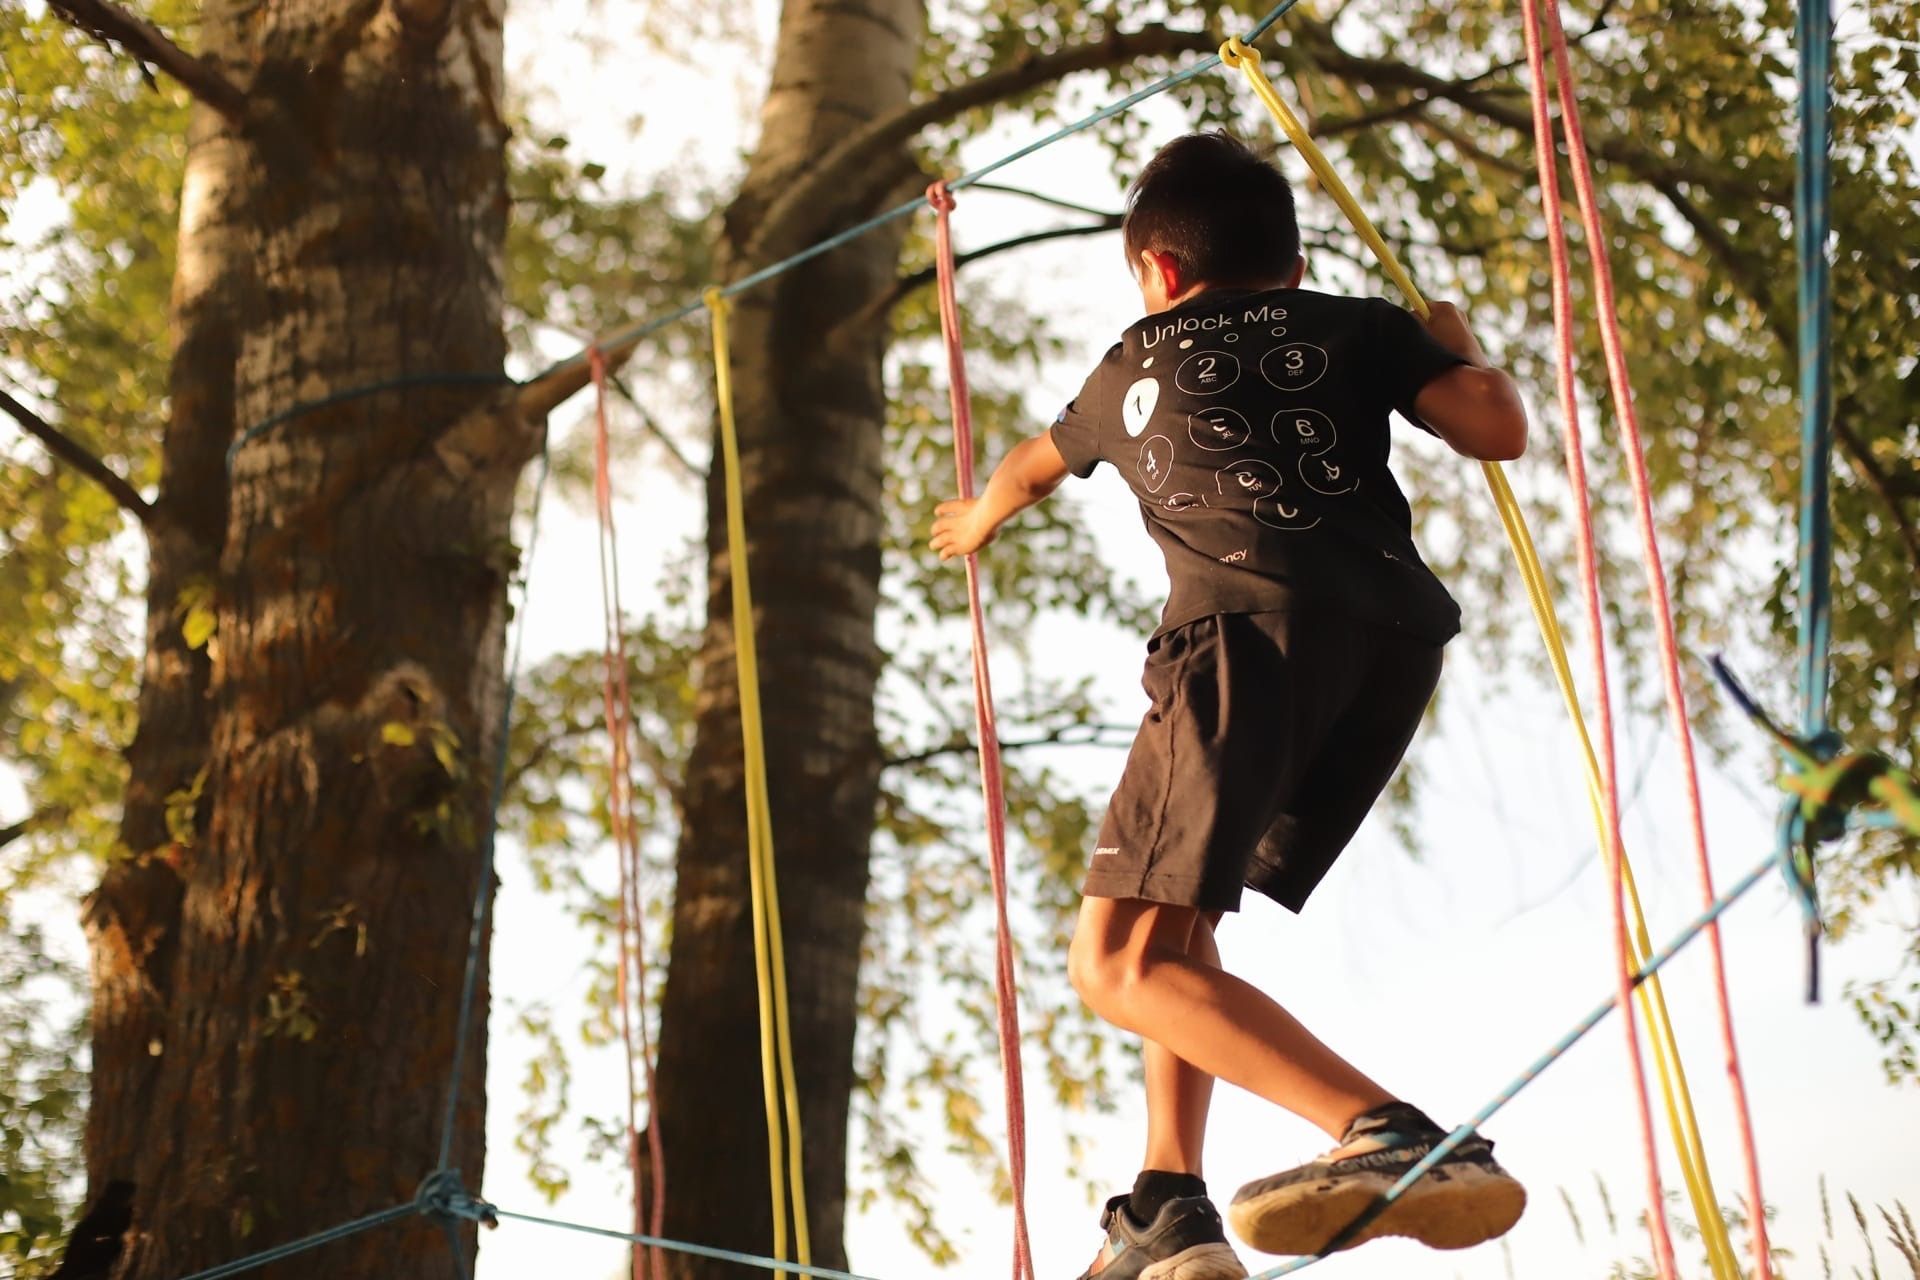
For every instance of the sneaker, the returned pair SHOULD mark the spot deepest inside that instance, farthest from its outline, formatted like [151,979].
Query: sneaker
[1464,1200]
[1185,1241]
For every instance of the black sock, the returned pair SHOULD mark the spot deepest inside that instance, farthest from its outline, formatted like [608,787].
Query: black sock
[1398,1117]
[1154,1187]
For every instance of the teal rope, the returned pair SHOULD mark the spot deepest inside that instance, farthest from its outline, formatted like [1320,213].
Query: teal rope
[1527,1077]
[482,895]
[1812,226]
[357,393]
[1812,223]
[302,1245]
[464,1206]
[681,1246]
[455,1249]
[635,333]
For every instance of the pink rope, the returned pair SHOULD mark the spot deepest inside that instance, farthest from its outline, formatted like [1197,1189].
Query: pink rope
[1622,392]
[617,694]
[1006,997]
[1596,629]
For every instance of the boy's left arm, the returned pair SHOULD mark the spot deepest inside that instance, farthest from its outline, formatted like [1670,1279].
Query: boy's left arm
[1031,470]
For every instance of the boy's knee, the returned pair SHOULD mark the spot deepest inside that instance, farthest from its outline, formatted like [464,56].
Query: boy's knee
[1085,963]
[1099,973]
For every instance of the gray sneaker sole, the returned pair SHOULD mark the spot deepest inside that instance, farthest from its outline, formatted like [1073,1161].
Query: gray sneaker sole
[1456,1206]
[1202,1262]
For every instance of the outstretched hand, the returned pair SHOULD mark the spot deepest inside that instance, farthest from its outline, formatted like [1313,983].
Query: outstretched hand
[956,530]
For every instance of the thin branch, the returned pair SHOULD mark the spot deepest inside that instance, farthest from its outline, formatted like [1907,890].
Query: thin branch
[1474,151]
[1066,735]
[906,286]
[1740,267]
[1751,279]
[32,822]
[1043,198]
[1644,163]
[1594,28]
[840,171]
[79,457]
[1861,456]
[1416,105]
[647,421]
[1334,126]
[536,399]
[113,25]
[653,428]
[569,731]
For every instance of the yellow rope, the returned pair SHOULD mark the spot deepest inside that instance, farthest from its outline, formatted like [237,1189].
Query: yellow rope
[769,949]
[1681,1117]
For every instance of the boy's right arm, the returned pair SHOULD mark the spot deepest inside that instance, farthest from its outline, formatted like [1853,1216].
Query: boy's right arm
[1031,470]
[1474,407]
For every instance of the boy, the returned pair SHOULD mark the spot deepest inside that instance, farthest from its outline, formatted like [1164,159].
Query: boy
[1300,645]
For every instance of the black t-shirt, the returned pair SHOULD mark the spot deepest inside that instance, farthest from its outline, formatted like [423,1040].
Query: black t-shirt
[1252,426]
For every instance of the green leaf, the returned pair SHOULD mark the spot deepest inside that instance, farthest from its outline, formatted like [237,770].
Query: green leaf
[198,626]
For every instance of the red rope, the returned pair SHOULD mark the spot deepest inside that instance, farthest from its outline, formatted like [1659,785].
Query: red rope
[1596,630]
[1622,393]
[1006,998]
[617,693]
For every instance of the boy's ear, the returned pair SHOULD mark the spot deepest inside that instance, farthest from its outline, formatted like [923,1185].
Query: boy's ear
[1299,272]
[1162,269]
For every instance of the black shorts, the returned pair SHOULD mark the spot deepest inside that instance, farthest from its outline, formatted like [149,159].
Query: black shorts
[1269,739]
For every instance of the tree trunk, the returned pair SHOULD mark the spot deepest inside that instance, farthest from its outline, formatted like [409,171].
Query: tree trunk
[810,418]
[277,970]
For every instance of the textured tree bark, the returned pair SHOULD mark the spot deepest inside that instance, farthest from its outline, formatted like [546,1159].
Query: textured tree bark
[276,996]
[810,421]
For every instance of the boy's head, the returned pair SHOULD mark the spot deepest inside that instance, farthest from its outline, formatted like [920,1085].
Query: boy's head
[1209,210]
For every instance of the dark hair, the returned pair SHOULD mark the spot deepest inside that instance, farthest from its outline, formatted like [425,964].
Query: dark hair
[1220,208]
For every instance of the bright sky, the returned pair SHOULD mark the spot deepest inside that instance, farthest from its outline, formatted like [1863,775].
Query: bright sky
[1443,977]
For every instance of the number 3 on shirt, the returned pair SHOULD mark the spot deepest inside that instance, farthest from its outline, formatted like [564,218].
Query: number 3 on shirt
[1294,367]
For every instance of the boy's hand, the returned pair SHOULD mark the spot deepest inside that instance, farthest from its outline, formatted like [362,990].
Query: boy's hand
[1031,470]
[957,529]
[1448,325]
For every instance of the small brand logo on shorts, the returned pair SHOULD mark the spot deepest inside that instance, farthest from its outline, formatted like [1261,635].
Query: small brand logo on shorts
[1109,849]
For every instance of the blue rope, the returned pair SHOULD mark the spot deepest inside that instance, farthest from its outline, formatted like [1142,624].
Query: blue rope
[456,1249]
[634,333]
[292,1247]
[474,1209]
[356,393]
[1527,1077]
[680,1246]
[826,1273]
[482,895]
[1812,224]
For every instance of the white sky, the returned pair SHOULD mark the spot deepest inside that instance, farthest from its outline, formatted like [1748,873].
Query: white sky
[1442,978]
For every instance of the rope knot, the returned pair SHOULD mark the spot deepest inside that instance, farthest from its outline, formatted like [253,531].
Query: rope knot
[939,196]
[1235,51]
[714,297]
[442,1195]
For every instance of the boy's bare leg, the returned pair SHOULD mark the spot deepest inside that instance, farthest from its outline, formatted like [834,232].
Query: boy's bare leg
[1179,1093]
[1129,962]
